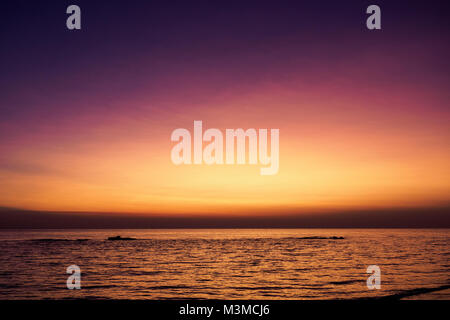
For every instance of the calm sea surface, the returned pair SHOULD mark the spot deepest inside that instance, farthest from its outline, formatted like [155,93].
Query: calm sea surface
[225,264]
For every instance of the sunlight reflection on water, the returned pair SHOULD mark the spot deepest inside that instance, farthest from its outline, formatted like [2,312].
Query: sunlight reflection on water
[223,263]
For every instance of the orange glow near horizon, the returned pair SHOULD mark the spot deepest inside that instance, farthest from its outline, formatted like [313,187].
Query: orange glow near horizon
[336,150]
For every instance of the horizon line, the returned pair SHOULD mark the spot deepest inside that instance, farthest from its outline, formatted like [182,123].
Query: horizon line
[430,217]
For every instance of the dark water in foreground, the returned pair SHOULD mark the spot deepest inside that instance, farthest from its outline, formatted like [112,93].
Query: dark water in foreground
[225,264]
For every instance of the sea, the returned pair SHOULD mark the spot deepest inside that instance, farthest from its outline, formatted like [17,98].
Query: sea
[279,264]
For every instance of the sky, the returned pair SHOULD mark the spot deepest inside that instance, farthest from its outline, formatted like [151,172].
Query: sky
[86,115]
